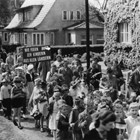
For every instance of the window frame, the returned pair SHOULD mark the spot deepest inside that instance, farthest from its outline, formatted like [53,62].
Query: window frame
[77,15]
[25,40]
[67,15]
[84,39]
[52,40]
[71,12]
[5,37]
[125,33]
[39,42]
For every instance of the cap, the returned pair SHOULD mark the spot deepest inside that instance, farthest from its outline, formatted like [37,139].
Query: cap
[59,56]
[4,81]
[65,87]
[17,79]
[38,81]
[18,68]
[30,66]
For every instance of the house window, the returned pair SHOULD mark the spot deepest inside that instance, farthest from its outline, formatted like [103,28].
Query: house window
[25,38]
[26,15]
[71,16]
[69,38]
[65,15]
[52,38]
[78,15]
[38,39]
[42,39]
[124,33]
[83,39]
[5,37]
[16,38]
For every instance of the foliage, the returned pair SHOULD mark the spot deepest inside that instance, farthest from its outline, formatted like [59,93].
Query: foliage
[4,12]
[120,12]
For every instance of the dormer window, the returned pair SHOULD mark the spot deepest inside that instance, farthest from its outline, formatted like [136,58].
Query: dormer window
[78,15]
[26,15]
[65,15]
[71,15]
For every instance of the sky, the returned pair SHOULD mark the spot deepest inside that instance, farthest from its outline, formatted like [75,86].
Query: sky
[95,3]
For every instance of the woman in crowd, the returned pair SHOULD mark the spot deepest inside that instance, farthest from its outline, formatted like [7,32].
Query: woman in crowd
[35,100]
[103,127]
[30,79]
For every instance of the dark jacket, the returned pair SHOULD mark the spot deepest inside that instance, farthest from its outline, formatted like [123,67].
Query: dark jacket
[94,135]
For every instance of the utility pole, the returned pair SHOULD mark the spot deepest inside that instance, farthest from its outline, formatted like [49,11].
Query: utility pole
[87,40]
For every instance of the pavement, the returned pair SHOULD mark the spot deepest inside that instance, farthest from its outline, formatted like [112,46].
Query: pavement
[10,132]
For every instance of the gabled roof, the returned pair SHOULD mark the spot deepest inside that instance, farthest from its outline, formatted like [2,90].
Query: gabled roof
[46,6]
[83,26]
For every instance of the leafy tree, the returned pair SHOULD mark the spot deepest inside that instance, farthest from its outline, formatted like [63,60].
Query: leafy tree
[4,12]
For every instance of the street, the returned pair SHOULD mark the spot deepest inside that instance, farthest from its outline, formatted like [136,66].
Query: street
[10,132]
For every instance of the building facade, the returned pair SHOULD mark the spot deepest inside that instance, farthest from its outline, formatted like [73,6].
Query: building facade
[55,22]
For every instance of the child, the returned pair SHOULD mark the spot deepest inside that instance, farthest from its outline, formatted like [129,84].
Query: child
[17,96]
[132,120]
[6,99]
[120,125]
[62,123]
[53,110]
[76,132]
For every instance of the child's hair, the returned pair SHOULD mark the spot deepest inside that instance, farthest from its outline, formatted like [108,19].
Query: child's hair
[118,106]
[133,105]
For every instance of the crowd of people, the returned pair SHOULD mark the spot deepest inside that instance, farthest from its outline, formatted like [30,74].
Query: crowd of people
[57,93]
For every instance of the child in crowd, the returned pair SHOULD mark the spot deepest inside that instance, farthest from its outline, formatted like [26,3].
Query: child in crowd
[17,96]
[5,98]
[53,110]
[62,123]
[120,124]
[73,120]
[132,120]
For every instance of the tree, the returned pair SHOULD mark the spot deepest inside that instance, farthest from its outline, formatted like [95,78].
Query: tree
[4,12]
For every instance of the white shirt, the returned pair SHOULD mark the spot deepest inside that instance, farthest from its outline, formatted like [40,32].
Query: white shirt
[5,92]
[131,123]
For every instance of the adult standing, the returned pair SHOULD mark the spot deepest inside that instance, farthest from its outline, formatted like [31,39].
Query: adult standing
[30,80]
[43,68]
[10,60]
[3,55]
[58,61]
[103,127]
[134,81]
[95,73]
[67,73]
[109,84]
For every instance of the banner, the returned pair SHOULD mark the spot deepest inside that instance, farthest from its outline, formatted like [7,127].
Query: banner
[36,54]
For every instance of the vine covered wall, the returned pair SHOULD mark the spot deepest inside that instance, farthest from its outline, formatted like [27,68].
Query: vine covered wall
[127,12]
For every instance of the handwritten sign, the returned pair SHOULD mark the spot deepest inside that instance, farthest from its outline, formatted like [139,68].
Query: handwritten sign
[36,54]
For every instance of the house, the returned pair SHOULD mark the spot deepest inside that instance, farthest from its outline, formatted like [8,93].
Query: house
[51,22]
[122,29]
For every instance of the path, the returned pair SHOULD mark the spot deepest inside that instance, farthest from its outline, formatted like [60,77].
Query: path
[10,132]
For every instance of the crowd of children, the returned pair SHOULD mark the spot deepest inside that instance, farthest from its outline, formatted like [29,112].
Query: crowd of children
[72,109]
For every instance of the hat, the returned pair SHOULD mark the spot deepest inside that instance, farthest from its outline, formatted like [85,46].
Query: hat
[109,70]
[30,67]
[17,79]
[18,68]
[38,81]
[56,94]
[4,81]
[65,87]
[59,56]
